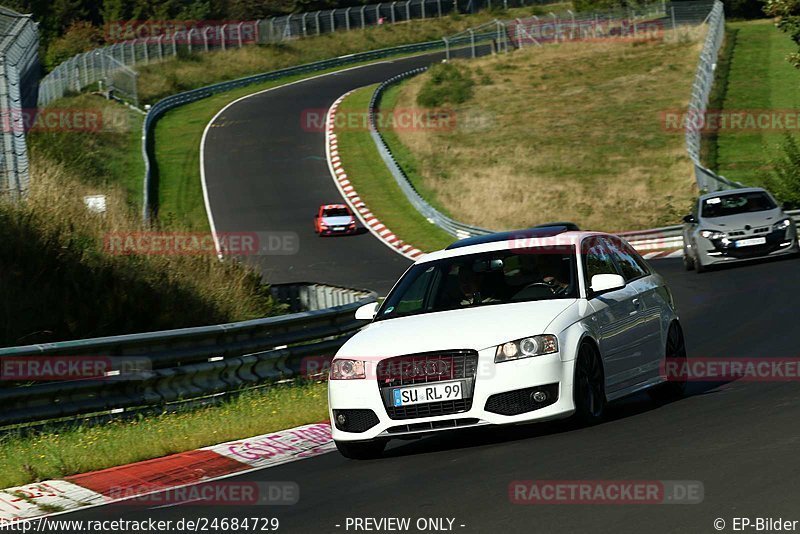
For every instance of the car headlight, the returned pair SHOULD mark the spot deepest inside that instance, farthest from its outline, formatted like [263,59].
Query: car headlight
[712,234]
[526,348]
[348,370]
[782,225]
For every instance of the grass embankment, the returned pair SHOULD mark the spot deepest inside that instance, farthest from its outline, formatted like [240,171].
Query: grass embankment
[60,453]
[562,132]
[180,74]
[375,184]
[753,75]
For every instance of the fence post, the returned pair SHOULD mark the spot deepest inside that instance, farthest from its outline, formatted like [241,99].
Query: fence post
[555,25]
[572,30]
[316,21]
[347,18]
[674,27]
[224,36]
[422,6]
[393,9]
[408,9]
[333,21]
[239,30]
[205,38]
[439,7]
[174,44]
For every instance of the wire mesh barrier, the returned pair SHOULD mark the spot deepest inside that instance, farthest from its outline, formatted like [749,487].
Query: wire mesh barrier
[19,73]
[707,180]
[112,65]
[114,376]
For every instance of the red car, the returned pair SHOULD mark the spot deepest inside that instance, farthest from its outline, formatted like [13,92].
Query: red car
[334,219]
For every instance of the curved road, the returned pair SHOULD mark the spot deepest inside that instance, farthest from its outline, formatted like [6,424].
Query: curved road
[740,439]
[265,170]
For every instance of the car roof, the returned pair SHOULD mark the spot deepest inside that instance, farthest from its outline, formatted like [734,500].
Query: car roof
[509,241]
[733,191]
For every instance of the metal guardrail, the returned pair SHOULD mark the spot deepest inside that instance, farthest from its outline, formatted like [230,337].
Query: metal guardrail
[161,368]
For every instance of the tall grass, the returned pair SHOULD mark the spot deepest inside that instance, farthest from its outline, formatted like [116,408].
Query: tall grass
[58,282]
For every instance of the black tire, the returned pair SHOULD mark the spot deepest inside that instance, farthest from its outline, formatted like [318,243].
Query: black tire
[688,262]
[589,390]
[675,353]
[361,450]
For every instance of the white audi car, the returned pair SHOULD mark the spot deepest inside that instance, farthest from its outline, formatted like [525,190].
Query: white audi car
[503,329]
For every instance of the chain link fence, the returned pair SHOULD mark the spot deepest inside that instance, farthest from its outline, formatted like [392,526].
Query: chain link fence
[113,66]
[707,180]
[19,73]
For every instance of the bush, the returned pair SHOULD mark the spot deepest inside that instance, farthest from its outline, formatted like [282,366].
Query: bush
[784,183]
[80,37]
[446,83]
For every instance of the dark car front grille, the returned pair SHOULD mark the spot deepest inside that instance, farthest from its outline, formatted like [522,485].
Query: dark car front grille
[418,369]
[521,400]
[355,420]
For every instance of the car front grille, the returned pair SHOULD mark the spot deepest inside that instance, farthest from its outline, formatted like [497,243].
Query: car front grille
[417,369]
[433,425]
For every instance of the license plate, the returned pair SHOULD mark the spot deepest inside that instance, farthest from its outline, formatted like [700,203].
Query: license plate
[751,242]
[428,393]
[338,228]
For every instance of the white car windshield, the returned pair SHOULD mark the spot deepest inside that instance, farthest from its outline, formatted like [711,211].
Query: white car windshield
[736,204]
[500,277]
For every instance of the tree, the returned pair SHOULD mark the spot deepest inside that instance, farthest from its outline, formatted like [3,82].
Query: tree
[79,37]
[785,180]
[788,14]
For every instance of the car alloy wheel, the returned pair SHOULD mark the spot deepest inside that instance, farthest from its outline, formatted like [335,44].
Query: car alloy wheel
[589,387]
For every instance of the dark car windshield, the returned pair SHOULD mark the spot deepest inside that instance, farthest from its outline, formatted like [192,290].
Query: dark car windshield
[735,204]
[500,277]
[336,212]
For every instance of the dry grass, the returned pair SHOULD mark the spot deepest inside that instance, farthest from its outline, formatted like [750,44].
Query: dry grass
[59,283]
[565,132]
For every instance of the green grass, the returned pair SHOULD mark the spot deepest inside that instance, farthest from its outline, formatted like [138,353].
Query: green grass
[59,453]
[110,156]
[375,184]
[757,77]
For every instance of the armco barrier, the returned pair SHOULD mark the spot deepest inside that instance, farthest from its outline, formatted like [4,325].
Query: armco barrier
[180,365]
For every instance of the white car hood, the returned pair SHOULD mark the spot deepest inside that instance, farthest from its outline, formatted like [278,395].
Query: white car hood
[342,220]
[471,328]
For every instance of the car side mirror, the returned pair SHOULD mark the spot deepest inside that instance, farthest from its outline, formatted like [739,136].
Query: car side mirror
[606,282]
[367,311]
[690,219]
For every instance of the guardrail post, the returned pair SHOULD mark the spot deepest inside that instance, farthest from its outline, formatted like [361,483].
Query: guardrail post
[446,48]
[472,41]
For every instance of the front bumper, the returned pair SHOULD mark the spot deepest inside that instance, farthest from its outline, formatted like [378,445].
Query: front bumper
[364,400]
[720,251]
[345,231]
